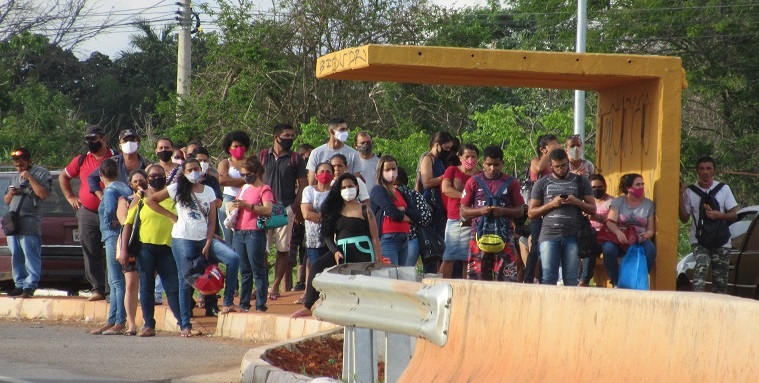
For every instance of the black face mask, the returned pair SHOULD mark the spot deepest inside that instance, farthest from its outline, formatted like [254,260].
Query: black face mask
[286,143]
[165,155]
[157,183]
[599,193]
[366,148]
[94,147]
[250,179]
[443,154]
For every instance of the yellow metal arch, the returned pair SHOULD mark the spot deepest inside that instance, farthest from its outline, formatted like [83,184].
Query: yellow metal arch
[639,102]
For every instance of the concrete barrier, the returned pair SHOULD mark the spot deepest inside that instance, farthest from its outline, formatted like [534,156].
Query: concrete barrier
[504,332]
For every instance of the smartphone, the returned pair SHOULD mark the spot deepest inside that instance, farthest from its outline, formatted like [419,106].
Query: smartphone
[563,196]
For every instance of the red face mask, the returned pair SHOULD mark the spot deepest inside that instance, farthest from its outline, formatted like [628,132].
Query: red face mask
[324,177]
[637,193]
[238,153]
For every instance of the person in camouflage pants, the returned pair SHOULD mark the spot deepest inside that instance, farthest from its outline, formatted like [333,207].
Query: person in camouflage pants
[690,206]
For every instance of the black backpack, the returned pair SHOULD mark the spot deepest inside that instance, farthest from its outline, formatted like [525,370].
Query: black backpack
[710,233]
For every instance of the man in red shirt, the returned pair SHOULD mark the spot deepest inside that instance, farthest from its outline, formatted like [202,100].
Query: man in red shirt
[86,207]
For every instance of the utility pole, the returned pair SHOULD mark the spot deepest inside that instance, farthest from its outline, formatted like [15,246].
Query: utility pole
[582,28]
[184,53]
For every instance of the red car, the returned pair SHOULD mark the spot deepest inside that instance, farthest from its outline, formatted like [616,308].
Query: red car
[62,259]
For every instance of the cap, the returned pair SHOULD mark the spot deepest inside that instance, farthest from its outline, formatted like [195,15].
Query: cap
[127,133]
[94,130]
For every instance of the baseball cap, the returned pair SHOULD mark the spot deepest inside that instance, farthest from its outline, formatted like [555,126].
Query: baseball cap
[127,133]
[94,130]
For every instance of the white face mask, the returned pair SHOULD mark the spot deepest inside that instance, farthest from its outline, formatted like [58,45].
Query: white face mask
[390,176]
[342,136]
[575,153]
[194,177]
[203,167]
[129,147]
[349,194]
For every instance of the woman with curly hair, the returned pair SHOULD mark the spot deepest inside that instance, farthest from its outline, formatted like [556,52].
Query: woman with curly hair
[348,229]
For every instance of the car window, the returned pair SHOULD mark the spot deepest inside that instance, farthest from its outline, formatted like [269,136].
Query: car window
[4,182]
[740,232]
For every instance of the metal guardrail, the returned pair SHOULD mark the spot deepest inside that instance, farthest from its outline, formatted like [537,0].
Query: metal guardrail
[390,300]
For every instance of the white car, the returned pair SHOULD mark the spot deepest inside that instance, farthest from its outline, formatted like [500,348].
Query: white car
[743,277]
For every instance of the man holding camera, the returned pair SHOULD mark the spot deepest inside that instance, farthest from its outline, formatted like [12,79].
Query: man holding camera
[24,196]
[560,200]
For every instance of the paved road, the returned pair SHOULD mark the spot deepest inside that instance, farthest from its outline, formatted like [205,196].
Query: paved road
[37,351]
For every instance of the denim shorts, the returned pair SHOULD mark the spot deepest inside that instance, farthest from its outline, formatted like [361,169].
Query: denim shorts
[456,241]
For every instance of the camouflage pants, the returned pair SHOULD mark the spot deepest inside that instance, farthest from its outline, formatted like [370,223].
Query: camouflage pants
[720,261]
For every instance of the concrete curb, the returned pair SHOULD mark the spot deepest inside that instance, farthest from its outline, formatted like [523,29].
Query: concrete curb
[269,328]
[255,369]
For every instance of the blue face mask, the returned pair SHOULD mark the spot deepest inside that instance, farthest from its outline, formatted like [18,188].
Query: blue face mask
[194,177]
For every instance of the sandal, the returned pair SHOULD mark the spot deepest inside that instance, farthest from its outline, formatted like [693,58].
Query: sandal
[130,333]
[186,333]
[300,301]
[274,296]
[147,332]
[100,330]
[115,330]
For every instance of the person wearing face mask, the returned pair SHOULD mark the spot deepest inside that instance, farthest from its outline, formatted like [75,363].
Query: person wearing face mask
[349,230]
[110,228]
[630,209]
[89,224]
[367,160]
[236,144]
[394,216]
[340,165]
[128,160]
[457,233]
[429,178]
[255,198]
[338,136]
[313,198]
[164,151]
[285,172]
[560,200]
[193,237]
[155,252]
[598,221]
[577,164]
[138,181]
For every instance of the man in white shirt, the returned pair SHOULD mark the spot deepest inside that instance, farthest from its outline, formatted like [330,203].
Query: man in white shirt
[690,206]
[367,160]
[338,135]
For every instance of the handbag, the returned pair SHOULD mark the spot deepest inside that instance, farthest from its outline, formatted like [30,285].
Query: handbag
[134,245]
[633,271]
[431,244]
[277,219]
[605,235]
[587,242]
[10,221]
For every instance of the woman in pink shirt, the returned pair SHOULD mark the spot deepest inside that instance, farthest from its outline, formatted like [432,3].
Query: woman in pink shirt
[255,198]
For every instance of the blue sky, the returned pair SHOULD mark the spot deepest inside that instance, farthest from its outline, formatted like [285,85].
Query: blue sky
[161,12]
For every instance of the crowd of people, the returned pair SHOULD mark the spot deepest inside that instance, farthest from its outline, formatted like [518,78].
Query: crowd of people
[342,204]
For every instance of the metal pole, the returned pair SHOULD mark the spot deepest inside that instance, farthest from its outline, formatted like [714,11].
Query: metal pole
[184,52]
[582,28]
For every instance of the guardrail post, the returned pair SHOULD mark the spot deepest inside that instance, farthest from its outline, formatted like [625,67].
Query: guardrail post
[359,355]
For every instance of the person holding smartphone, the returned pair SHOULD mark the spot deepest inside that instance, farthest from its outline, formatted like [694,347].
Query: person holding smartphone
[560,200]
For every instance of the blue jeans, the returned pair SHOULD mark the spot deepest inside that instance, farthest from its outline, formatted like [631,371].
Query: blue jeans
[456,241]
[412,255]
[152,259]
[612,255]
[26,260]
[250,245]
[314,254]
[393,245]
[116,281]
[222,213]
[185,251]
[562,252]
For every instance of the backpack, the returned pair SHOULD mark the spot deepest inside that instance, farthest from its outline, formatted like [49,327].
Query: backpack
[710,233]
[489,229]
